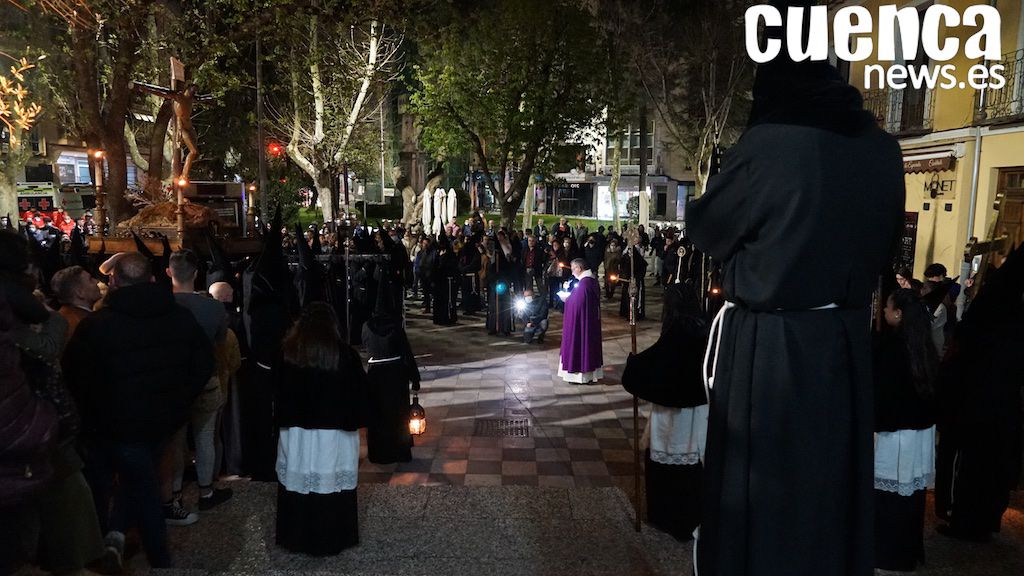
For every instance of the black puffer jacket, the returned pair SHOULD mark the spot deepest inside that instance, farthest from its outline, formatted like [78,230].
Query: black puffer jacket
[136,365]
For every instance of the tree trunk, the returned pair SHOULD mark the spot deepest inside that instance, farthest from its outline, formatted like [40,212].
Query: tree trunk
[12,165]
[508,214]
[325,192]
[155,173]
[613,185]
[115,183]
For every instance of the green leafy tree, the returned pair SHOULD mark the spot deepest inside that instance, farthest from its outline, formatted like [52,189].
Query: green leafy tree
[508,84]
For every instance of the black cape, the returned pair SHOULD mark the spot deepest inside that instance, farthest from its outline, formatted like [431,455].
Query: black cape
[669,372]
[323,400]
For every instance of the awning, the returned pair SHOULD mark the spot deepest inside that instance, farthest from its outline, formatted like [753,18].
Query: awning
[929,162]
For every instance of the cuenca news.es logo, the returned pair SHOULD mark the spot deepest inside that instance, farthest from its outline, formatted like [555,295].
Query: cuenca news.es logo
[855,35]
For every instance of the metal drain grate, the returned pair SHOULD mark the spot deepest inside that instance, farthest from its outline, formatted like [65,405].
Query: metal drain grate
[502,428]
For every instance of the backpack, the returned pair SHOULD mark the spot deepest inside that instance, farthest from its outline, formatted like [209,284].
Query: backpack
[28,434]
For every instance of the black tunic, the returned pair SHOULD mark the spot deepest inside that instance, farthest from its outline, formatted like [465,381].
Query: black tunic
[800,217]
[445,288]
[469,276]
[387,430]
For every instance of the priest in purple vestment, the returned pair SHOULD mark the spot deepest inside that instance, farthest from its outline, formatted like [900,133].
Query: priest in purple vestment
[581,358]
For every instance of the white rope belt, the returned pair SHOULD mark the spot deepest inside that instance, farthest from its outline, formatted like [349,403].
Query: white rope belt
[715,342]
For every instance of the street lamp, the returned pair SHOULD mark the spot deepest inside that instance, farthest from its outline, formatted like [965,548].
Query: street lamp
[97,157]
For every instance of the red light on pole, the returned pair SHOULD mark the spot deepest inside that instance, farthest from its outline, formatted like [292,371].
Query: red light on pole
[275,149]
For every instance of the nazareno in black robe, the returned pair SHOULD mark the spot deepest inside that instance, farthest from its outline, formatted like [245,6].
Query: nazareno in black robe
[979,412]
[392,368]
[804,214]
[668,374]
[445,284]
[311,399]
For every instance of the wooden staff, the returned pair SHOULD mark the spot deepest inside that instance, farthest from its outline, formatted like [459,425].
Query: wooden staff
[632,239]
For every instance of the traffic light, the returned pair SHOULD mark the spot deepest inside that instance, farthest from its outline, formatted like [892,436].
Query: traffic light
[275,149]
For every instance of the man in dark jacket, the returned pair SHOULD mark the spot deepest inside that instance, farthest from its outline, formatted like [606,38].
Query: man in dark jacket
[534,262]
[534,312]
[137,365]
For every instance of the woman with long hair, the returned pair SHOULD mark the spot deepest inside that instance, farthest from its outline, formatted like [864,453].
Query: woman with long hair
[905,370]
[321,404]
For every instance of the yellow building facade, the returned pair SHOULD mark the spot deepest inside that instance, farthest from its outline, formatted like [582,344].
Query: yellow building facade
[949,135]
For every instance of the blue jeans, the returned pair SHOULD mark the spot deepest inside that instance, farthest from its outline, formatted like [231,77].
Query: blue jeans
[136,498]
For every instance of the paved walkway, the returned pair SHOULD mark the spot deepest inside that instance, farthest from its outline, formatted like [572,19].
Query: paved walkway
[576,436]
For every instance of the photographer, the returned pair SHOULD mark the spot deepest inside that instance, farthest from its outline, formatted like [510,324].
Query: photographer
[534,313]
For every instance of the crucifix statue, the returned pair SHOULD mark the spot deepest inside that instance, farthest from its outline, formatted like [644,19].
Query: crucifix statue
[183,94]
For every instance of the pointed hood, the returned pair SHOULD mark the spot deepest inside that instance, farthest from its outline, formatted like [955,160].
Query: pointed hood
[309,275]
[220,269]
[141,247]
[79,248]
[317,248]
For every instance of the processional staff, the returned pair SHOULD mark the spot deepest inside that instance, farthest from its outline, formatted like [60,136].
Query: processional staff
[632,240]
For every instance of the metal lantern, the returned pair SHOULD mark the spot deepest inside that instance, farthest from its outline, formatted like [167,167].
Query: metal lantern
[417,417]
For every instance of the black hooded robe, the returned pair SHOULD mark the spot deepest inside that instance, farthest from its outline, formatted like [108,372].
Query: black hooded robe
[392,368]
[469,276]
[445,284]
[804,215]
[978,461]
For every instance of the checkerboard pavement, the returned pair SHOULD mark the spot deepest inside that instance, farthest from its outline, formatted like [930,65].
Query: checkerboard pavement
[579,435]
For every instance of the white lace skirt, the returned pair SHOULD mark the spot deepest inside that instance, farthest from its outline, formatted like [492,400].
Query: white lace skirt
[905,460]
[579,377]
[678,435]
[318,461]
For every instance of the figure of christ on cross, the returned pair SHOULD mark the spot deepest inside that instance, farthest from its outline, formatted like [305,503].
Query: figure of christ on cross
[183,100]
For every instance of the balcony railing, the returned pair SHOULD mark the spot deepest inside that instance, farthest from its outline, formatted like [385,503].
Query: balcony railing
[1007,103]
[901,112]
